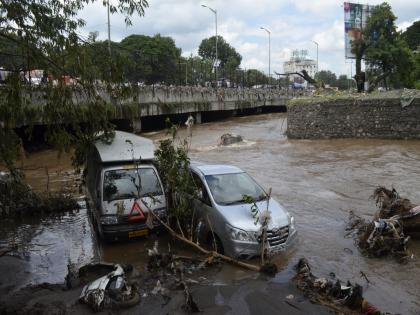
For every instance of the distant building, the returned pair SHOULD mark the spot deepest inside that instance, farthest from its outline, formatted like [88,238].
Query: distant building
[297,63]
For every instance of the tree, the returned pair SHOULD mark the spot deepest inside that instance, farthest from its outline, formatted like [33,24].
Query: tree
[416,71]
[358,48]
[386,54]
[255,77]
[327,77]
[344,83]
[154,59]
[226,54]
[412,35]
[43,35]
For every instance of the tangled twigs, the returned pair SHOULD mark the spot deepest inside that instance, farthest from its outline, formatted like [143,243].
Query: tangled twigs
[386,233]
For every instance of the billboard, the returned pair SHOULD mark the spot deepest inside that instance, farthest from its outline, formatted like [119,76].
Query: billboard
[355,18]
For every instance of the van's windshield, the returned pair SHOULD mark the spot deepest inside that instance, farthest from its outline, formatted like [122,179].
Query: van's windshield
[228,189]
[130,183]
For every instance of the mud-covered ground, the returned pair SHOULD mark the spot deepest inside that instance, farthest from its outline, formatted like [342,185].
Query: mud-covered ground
[317,181]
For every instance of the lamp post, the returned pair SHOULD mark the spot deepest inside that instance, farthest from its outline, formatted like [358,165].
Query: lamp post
[269,53]
[316,54]
[215,15]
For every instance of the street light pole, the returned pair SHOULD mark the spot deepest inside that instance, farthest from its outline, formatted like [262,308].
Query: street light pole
[109,30]
[269,52]
[215,16]
[316,54]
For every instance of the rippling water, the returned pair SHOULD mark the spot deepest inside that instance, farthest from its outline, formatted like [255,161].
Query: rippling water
[317,181]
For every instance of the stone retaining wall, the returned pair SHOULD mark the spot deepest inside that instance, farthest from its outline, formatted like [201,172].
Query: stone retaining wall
[354,118]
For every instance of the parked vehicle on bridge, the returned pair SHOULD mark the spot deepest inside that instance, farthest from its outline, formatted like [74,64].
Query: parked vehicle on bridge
[222,212]
[121,184]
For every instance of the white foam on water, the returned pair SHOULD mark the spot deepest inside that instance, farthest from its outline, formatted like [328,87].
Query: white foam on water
[242,144]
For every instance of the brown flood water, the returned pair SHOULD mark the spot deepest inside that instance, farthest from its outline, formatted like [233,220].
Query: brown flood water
[317,181]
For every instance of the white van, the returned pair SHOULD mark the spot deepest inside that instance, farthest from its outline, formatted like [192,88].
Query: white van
[121,184]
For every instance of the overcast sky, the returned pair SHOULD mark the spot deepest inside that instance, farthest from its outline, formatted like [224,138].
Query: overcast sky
[293,23]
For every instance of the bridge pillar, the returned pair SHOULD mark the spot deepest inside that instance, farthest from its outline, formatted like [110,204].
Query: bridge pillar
[136,125]
[197,118]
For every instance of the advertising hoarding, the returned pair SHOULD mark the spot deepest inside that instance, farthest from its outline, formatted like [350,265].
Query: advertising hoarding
[355,18]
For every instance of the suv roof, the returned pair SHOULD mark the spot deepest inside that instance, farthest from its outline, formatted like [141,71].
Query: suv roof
[120,149]
[215,169]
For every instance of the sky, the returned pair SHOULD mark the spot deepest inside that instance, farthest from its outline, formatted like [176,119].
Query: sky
[294,24]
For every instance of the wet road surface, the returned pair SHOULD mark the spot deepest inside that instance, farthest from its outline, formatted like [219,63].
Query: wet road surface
[317,181]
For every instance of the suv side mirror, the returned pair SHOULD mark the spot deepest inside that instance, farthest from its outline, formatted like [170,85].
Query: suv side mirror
[200,194]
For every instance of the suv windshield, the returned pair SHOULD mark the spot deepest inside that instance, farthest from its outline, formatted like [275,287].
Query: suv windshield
[231,188]
[124,184]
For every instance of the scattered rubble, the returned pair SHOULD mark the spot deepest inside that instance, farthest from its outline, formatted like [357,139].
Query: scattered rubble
[228,139]
[391,228]
[343,298]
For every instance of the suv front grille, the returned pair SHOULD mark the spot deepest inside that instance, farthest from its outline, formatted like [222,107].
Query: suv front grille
[278,236]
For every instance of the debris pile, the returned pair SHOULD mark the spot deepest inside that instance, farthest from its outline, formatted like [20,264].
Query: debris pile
[170,270]
[389,232]
[343,298]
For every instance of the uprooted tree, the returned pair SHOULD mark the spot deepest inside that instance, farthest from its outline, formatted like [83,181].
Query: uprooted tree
[304,75]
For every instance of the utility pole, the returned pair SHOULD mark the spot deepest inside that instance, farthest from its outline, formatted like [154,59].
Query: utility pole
[316,54]
[269,53]
[216,61]
[109,30]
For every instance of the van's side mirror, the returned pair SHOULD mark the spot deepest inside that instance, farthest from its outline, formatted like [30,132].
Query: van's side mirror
[98,194]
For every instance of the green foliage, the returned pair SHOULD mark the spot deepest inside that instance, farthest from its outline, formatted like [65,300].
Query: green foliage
[172,163]
[412,35]
[416,71]
[18,199]
[254,208]
[226,54]
[255,77]
[327,77]
[344,83]
[386,54]
[152,59]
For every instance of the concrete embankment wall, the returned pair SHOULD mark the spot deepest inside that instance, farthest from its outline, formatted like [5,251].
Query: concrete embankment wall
[353,118]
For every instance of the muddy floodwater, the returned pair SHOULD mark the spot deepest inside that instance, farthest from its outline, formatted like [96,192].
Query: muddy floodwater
[317,181]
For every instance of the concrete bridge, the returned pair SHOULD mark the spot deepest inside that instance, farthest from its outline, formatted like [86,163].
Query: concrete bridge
[201,103]
[150,105]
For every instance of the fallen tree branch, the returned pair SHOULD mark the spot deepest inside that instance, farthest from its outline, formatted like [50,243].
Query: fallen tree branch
[199,248]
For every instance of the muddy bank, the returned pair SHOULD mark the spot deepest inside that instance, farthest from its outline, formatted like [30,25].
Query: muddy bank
[253,296]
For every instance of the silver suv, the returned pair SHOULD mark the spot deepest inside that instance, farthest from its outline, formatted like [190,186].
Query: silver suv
[220,209]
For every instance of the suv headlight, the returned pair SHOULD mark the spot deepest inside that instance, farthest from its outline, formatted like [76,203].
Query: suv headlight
[292,223]
[241,235]
[109,219]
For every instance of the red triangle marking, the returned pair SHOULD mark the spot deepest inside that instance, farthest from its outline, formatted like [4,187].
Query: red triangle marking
[136,214]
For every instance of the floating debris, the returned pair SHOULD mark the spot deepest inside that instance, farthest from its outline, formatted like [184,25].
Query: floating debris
[391,228]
